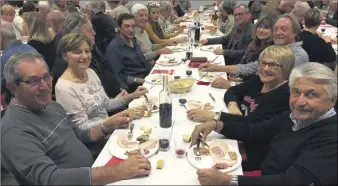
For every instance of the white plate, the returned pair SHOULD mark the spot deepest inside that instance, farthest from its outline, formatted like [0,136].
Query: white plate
[207,161]
[334,46]
[211,76]
[142,101]
[115,150]
[203,103]
[157,78]
[208,48]
[166,62]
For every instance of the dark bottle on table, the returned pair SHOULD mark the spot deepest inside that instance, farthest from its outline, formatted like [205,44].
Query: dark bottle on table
[165,116]
[197,33]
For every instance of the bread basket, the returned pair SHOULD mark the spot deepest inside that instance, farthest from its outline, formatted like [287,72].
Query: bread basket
[181,85]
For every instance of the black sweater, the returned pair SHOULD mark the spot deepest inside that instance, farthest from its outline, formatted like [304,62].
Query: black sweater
[317,48]
[301,157]
[257,106]
[47,50]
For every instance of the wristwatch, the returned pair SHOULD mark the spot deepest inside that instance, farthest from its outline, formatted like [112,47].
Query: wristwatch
[234,180]
[217,116]
[105,130]
[232,83]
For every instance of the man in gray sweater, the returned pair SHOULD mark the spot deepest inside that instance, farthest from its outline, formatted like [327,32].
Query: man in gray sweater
[39,144]
[285,32]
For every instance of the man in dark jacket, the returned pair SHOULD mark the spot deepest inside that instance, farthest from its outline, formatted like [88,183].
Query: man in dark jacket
[235,43]
[102,24]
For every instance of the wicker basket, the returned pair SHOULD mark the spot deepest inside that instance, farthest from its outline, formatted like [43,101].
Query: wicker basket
[181,85]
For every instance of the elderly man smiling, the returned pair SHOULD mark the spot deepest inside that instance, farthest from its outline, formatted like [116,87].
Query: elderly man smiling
[150,51]
[303,143]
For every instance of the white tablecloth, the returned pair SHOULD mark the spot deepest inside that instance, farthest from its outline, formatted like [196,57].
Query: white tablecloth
[176,171]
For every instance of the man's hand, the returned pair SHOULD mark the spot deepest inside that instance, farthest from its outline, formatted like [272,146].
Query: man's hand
[204,41]
[213,177]
[134,166]
[140,91]
[205,128]
[220,83]
[208,67]
[199,115]
[218,51]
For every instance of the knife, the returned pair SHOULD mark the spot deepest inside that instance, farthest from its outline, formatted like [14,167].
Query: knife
[212,97]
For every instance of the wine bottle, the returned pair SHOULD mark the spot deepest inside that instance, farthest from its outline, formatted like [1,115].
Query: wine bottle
[165,116]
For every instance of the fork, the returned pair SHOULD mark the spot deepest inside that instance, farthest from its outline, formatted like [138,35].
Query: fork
[198,155]
[130,133]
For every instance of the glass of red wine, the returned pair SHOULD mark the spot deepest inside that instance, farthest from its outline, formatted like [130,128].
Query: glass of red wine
[180,147]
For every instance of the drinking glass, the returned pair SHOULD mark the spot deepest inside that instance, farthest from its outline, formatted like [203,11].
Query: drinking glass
[180,147]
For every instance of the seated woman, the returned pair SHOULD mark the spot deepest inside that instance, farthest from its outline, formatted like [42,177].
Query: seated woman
[319,48]
[79,89]
[259,98]
[262,38]
[40,37]
[77,22]
[154,30]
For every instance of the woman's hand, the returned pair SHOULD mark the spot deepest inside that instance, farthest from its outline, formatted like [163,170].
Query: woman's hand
[199,115]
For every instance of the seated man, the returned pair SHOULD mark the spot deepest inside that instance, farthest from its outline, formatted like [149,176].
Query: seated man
[10,46]
[236,42]
[150,51]
[125,56]
[39,144]
[303,143]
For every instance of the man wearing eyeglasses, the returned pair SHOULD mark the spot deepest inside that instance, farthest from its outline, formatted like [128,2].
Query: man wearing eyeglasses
[236,42]
[40,145]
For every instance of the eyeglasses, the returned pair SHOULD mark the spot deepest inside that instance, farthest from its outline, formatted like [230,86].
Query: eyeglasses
[272,66]
[36,81]
[240,14]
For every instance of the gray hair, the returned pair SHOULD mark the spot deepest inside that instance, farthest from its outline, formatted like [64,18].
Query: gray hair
[74,22]
[10,73]
[138,7]
[295,23]
[7,31]
[165,6]
[319,72]
[44,4]
[300,9]
[96,6]
[246,8]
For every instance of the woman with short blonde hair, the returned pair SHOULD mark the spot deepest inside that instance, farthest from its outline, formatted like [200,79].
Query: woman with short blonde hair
[258,99]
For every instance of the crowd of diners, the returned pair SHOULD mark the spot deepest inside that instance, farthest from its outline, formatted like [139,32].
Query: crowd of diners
[69,69]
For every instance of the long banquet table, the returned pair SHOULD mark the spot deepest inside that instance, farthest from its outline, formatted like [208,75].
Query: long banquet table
[176,171]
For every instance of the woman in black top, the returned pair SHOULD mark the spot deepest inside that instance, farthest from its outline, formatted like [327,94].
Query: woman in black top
[259,98]
[318,48]
[40,38]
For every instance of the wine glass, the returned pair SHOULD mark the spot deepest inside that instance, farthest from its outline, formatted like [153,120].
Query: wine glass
[184,59]
[188,72]
[323,30]
[180,147]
